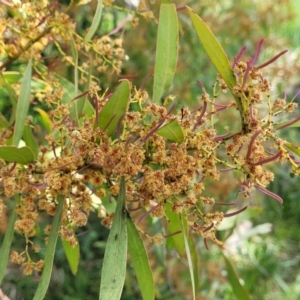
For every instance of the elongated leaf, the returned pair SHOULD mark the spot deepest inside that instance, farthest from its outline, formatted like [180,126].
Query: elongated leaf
[189,257]
[171,131]
[6,244]
[195,260]
[30,141]
[50,251]
[22,105]
[45,119]
[115,108]
[22,155]
[218,57]
[72,254]
[174,225]
[239,290]
[140,262]
[293,148]
[95,23]
[214,49]
[70,94]
[75,59]
[166,51]
[114,264]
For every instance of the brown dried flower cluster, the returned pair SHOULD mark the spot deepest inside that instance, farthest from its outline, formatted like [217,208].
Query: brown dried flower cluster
[157,170]
[84,164]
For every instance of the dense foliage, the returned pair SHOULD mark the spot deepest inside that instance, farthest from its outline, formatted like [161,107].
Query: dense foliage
[81,141]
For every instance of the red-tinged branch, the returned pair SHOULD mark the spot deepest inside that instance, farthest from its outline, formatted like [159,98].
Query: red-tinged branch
[257,133]
[235,213]
[209,227]
[147,213]
[201,115]
[288,123]
[267,192]
[269,159]
[172,234]
[205,243]
[238,57]
[258,50]
[201,86]
[271,60]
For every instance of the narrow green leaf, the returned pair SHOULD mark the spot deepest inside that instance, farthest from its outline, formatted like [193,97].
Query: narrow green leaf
[72,254]
[45,119]
[6,244]
[189,257]
[195,259]
[293,148]
[95,23]
[218,57]
[172,131]
[174,225]
[139,259]
[89,110]
[22,155]
[50,251]
[114,263]
[30,141]
[75,59]
[115,108]
[214,49]
[22,105]
[69,88]
[166,51]
[239,290]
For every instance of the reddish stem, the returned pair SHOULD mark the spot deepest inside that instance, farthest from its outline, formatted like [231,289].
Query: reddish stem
[239,55]
[271,60]
[271,158]
[257,133]
[267,192]
[235,213]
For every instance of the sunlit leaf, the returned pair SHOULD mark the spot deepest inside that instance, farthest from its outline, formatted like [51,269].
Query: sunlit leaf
[50,251]
[166,51]
[115,257]
[115,108]
[30,141]
[214,49]
[216,53]
[72,254]
[139,259]
[22,105]
[6,243]
[239,291]
[12,77]
[174,226]
[22,155]
[45,119]
[293,148]
[95,23]
[171,131]
[189,257]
